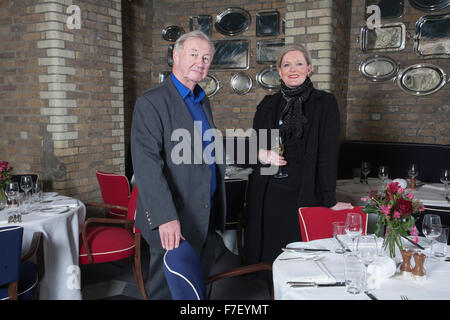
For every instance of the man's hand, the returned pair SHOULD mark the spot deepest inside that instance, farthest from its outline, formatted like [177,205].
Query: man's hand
[170,234]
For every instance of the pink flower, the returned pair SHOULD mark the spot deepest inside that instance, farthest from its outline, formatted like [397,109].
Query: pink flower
[422,208]
[413,231]
[400,190]
[410,195]
[386,209]
[396,214]
[416,239]
[363,199]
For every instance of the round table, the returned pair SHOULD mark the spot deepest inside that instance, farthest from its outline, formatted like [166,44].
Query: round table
[60,232]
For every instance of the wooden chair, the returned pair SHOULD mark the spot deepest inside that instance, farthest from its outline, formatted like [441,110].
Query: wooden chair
[316,222]
[111,242]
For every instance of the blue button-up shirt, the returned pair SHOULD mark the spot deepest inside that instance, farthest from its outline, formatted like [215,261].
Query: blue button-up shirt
[193,103]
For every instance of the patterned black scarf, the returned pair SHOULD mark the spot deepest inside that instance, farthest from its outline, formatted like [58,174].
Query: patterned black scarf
[292,118]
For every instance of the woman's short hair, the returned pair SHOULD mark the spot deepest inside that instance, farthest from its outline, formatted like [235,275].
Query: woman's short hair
[193,34]
[294,47]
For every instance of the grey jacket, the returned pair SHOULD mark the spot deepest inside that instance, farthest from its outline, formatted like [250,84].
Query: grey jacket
[169,191]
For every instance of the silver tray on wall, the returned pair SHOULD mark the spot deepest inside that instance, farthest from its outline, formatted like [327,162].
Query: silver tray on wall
[231,54]
[267,24]
[432,38]
[232,21]
[241,83]
[202,22]
[172,33]
[378,68]
[421,79]
[429,5]
[388,37]
[389,9]
[268,50]
[269,78]
[210,85]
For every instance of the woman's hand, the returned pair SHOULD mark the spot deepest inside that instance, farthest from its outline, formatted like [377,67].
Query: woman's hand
[341,206]
[271,157]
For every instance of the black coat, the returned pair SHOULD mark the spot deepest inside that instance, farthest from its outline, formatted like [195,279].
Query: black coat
[318,171]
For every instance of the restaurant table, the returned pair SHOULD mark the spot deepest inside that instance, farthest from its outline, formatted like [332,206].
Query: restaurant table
[436,286]
[60,231]
[431,195]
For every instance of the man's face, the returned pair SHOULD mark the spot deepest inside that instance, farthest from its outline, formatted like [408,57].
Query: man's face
[191,64]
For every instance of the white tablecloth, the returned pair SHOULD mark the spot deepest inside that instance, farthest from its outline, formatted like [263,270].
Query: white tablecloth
[60,238]
[435,287]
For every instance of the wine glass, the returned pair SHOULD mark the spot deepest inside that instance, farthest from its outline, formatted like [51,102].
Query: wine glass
[413,172]
[445,179]
[353,226]
[26,184]
[367,250]
[12,191]
[279,148]
[383,174]
[431,228]
[365,169]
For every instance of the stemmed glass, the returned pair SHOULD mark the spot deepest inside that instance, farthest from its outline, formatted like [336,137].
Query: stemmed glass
[279,148]
[445,179]
[26,184]
[353,226]
[383,174]
[431,228]
[12,191]
[365,169]
[367,250]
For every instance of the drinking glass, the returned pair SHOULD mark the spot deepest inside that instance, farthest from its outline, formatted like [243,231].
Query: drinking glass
[353,226]
[354,272]
[338,232]
[445,179]
[431,228]
[12,191]
[413,170]
[37,190]
[367,250]
[279,148]
[365,169]
[383,174]
[26,184]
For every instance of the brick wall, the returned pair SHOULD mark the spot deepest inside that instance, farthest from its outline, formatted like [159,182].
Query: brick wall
[62,104]
[403,117]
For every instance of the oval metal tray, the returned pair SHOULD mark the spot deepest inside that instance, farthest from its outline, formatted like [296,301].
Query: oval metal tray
[421,79]
[172,33]
[210,85]
[378,68]
[232,21]
[241,83]
[429,5]
[269,78]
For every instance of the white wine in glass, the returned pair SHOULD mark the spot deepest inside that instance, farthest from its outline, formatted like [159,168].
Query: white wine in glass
[279,148]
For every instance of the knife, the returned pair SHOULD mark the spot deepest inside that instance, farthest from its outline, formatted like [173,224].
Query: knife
[343,245]
[300,284]
[302,249]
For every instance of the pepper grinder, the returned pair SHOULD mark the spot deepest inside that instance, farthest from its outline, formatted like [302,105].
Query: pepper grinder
[406,268]
[413,182]
[419,269]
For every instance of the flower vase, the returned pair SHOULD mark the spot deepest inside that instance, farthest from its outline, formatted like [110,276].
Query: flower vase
[392,244]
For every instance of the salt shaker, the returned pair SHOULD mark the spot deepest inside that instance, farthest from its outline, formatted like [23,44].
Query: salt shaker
[406,268]
[419,269]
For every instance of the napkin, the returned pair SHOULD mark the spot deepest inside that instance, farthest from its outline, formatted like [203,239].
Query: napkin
[382,268]
[429,186]
[402,182]
[307,271]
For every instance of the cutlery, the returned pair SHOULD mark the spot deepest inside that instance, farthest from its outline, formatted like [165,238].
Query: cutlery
[301,284]
[302,249]
[404,297]
[303,258]
[416,244]
[371,296]
[343,245]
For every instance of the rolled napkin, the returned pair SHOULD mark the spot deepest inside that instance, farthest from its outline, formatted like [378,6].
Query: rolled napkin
[401,182]
[382,268]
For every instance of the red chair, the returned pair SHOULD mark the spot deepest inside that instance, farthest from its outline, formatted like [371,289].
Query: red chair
[115,190]
[107,243]
[315,222]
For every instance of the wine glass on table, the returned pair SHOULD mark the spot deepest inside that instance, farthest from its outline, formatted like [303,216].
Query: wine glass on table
[431,228]
[26,184]
[383,174]
[413,172]
[279,148]
[367,250]
[445,179]
[365,170]
[12,192]
[353,226]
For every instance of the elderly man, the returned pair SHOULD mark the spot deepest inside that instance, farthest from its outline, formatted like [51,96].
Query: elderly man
[177,200]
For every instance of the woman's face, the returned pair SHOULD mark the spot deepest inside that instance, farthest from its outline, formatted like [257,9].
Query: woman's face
[294,69]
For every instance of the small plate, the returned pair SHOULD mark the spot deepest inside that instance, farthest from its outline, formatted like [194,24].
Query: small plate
[241,83]
[210,85]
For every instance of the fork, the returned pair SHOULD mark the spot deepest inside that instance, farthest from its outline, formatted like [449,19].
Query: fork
[404,297]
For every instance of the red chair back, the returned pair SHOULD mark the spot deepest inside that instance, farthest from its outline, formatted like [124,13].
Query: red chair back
[316,222]
[132,205]
[115,190]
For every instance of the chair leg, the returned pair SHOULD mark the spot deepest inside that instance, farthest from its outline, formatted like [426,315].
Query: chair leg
[239,239]
[137,267]
[12,291]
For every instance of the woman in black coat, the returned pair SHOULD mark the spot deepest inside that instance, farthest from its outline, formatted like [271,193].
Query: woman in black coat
[308,123]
